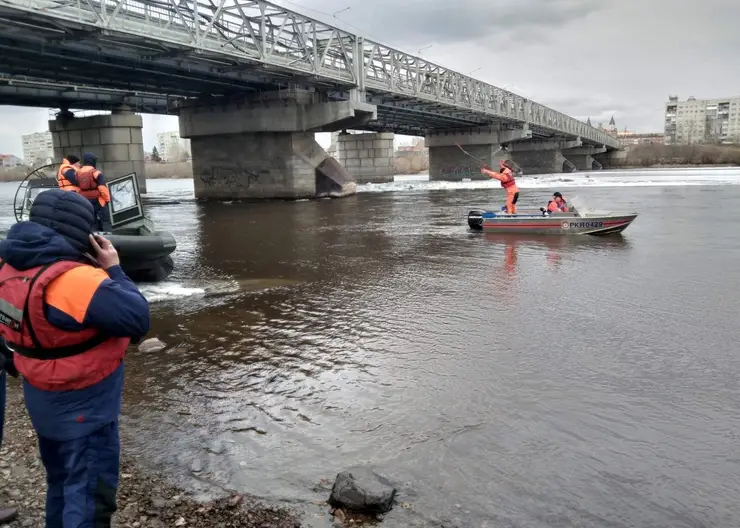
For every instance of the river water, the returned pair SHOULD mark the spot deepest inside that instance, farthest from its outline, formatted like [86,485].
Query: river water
[506,381]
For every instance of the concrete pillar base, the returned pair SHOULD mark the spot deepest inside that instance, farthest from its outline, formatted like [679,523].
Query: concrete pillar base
[448,162]
[582,162]
[452,164]
[266,165]
[613,159]
[367,157]
[540,161]
[583,157]
[115,139]
[263,147]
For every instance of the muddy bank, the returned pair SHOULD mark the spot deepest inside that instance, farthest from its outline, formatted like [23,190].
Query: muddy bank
[145,499]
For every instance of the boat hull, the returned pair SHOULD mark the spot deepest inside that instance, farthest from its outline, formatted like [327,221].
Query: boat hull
[145,257]
[556,224]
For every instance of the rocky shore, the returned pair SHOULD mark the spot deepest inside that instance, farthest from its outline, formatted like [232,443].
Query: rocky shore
[145,500]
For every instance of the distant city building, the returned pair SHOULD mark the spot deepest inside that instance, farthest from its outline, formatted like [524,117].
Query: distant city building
[702,120]
[633,138]
[416,149]
[38,148]
[9,161]
[172,148]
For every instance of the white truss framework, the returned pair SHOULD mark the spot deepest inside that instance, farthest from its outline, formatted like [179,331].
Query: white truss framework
[271,37]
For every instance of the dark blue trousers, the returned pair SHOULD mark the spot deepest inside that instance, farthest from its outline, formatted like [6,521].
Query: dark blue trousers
[102,215]
[82,475]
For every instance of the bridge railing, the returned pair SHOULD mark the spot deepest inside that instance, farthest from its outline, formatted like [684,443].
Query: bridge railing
[232,32]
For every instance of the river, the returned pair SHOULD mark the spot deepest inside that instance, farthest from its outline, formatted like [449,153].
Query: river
[505,381]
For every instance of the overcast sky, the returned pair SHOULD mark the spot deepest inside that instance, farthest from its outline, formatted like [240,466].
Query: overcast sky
[586,58]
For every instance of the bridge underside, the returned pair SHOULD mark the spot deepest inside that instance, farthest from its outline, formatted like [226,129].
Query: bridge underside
[61,56]
[70,65]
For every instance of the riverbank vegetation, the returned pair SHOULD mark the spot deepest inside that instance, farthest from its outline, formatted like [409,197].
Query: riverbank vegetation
[678,155]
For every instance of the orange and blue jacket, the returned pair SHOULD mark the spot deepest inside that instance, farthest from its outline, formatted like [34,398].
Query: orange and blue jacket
[69,325]
[92,184]
[506,177]
[554,207]
[67,176]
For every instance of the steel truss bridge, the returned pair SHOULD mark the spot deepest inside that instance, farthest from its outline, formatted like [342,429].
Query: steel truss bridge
[147,54]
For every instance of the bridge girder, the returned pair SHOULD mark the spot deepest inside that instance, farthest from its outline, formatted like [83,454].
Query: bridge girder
[189,47]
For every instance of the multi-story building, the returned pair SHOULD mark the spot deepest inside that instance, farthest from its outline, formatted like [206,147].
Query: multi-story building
[702,120]
[38,148]
[635,138]
[173,148]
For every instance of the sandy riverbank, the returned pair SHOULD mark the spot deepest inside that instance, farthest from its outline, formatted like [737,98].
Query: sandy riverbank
[145,499]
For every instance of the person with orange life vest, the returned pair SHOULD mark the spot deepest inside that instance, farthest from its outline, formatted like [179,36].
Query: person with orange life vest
[67,174]
[557,204]
[92,186]
[506,177]
[68,312]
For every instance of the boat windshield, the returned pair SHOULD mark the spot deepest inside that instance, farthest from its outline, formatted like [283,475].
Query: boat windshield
[123,195]
[578,205]
[31,195]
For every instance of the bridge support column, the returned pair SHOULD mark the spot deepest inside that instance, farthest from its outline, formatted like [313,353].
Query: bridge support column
[583,157]
[368,157]
[448,162]
[115,139]
[540,157]
[612,159]
[263,147]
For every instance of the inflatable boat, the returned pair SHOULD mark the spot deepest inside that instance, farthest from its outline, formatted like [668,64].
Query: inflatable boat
[145,253]
[579,220]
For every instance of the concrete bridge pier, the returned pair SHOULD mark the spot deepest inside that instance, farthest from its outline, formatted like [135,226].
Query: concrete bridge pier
[611,159]
[583,157]
[263,146]
[115,139]
[542,156]
[448,162]
[367,157]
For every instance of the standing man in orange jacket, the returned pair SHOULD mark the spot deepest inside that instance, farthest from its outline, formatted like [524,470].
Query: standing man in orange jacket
[506,177]
[67,174]
[69,317]
[92,186]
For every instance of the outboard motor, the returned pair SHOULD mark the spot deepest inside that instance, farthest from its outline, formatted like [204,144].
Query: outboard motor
[475,220]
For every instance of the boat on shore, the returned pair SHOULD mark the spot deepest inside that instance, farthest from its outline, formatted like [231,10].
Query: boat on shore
[145,253]
[579,220]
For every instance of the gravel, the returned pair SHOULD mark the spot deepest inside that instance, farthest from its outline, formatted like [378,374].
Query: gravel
[145,499]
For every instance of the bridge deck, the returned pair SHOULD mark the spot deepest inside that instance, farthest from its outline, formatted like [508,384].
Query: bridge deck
[148,53]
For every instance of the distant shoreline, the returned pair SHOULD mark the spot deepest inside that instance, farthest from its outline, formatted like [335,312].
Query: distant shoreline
[633,157]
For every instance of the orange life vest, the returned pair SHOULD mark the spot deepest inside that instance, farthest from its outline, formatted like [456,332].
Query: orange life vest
[48,357]
[62,181]
[510,178]
[87,177]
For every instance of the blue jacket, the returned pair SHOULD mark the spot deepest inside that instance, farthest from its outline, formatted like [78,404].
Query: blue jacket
[117,307]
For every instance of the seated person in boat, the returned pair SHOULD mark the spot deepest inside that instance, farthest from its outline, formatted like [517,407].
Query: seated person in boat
[557,204]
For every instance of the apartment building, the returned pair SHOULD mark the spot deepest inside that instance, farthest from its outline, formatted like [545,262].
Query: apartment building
[38,148]
[702,120]
[171,147]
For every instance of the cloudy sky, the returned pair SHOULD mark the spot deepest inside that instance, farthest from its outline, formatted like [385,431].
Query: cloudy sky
[587,58]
